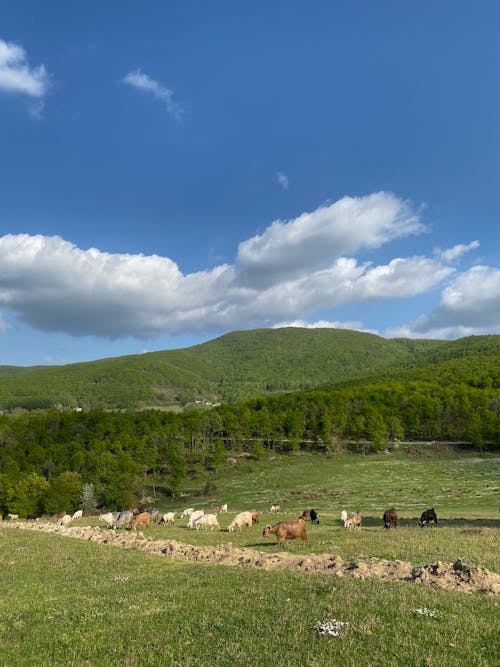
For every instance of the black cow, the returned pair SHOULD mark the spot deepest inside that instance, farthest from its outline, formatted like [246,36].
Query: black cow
[428,517]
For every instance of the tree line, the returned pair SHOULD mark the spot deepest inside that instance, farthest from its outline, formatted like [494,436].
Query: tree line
[48,459]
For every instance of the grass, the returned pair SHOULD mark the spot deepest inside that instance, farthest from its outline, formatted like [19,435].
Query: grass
[456,484]
[71,602]
[462,487]
[476,546]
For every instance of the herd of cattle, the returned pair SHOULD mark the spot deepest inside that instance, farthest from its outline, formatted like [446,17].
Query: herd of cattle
[198,519]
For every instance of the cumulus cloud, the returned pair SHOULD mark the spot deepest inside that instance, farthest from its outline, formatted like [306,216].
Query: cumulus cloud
[469,304]
[55,286]
[16,75]
[144,83]
[289,249]
[52,285]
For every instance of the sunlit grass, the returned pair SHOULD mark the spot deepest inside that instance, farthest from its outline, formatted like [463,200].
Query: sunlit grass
[72,602]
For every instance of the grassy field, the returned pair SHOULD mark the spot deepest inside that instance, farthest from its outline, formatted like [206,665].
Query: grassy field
[456,484]
[463,488]
[71,602]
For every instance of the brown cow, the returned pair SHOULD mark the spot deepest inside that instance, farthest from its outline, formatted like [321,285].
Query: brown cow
[390,518]
[287,530]
[141,521]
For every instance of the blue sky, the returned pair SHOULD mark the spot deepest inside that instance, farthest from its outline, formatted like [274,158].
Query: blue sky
[171,171]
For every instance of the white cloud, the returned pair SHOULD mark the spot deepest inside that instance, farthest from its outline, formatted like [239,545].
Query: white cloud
[143,82]
[282,179]
[312,241]
[325,324]
[53,285]
[16,76]
[457,251]
[469,305]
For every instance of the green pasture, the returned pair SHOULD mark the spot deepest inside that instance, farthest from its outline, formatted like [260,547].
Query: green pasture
[456,484]
[73,602]
[477,546]
[464,489]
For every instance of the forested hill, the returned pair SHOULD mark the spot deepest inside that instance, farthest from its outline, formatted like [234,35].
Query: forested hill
[247,364]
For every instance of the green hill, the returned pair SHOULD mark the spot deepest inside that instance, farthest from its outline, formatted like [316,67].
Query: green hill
[245,364]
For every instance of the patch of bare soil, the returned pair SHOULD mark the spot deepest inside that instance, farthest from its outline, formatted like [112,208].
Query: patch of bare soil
[455,576]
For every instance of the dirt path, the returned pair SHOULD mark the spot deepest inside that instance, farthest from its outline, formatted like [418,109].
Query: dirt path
[455,576]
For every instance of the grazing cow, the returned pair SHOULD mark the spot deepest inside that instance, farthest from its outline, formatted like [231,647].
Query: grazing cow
[287,530]
[428,517]
[354,521]
[343,517]
[275,508]
[141,521]
[123,519]
[390,518]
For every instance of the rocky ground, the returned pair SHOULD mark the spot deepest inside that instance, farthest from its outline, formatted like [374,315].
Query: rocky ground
[455,576]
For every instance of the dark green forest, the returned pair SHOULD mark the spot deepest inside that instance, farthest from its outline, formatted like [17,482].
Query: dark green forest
[59,460]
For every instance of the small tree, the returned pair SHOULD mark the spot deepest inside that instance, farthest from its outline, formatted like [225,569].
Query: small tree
[88,501]
[64,493]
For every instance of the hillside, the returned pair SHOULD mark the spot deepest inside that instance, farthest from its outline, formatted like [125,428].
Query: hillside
[241,365]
